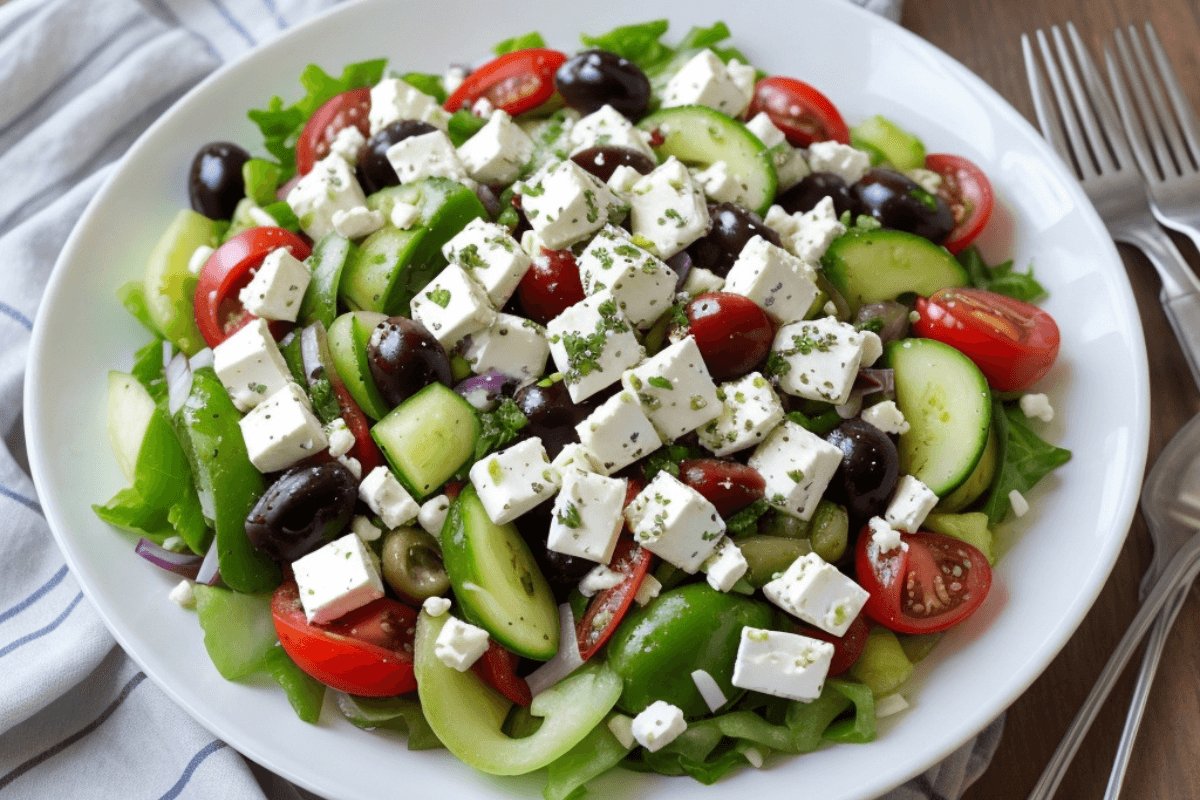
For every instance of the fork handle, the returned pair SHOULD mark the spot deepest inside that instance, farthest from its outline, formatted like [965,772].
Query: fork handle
[1141,692]
[1183,312]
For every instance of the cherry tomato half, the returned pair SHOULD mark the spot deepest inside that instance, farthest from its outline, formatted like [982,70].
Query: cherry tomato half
[341,111]
[368,652]
[219,312]
[799,110]
[1012,342]
[515,82]
[933,585]
[969,194]
[550,286]
[608,607]
[846,648]
[497,667]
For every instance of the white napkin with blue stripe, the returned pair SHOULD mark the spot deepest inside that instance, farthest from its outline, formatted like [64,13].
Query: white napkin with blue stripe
[79,82]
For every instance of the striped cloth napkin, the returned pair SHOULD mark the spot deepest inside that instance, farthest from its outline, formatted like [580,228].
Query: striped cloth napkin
[80,80]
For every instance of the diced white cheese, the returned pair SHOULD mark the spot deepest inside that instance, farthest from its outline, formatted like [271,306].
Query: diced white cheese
[1037,405]
[822,356]
[709,689]
[433,513]
[883,535]
[357,222]
[565,661]
[641,284]
[497,152]
[706,81]
[675,389]
[453,78]
[668,208]
[598,579]
[886,416]
[347,142]
[592,343]
[403,215]
[514,480]
[512,346]
[675,522]
[341,440]
[744,75]
[384,495]
[352,464]
[453,305]
[261,217]
[649,590]
[700,280]
[250,366]
[817,593]
[277,287]
[622,180]
[782,664]
[790,166]
[426,155]
[365,529]
[778,282]
[621,727]
[847,162]
[725,566]
[659,725]
[719,185]
[797,466]
[337,578]
[586,519]
[1020,505]
[436,606]
[911,503]
[806,234]
[393,100]
[491,256]
[927,179]
[575,456]
[282,430]
[618,433]
[608,127]
[460,644]
[328,188]
[183,595]
[750,410]
[566,203]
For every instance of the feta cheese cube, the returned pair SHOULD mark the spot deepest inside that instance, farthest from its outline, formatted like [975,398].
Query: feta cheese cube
[668,208]
[587,519]
[599,579]
[427,155]
[282,430]
[337,578]
[778,282]
[886,416]
[514,480]
[250,366]
[883,535]
[700,280]
[183,595]
[453,78]
[365,529]
[1037,406]
[277,287]
[817,593]
[436,606]
[357,222]
[575,456]
[658,725]
[328,188]
[797,466]
[750,410]
[491,256]
[927,179]
[514,346]
[384,495]
[675,522]
[566,203]
[622,180]
[347,142]
[822,357]
[393,100]
[806,234]
[911,503]
[433,513]
[725,566]
[706,81]
[719,186]
[497,152]
[618,433]
[847,162]
[642,285]
[460,644]
[341,440]
[782,664]
[404,215]
[648,590]
[675,389]
[744,75]
[608,127]
[592,343]
[790,166]
[453,305]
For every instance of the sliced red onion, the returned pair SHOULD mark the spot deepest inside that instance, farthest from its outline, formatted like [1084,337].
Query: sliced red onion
[185,564]
[874,381]
[484,391]
[894,316]
[209,573]
[489,199]
[681,262]
[179,382]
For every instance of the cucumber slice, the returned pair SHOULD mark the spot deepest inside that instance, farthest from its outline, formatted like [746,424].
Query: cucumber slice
[170,287]
[870,266]
[699,137]
[130,409]
[897,146]
[497,580]
[981,478]
[328,260]
[945,399]
[348,337]
[368,278]
[427,438]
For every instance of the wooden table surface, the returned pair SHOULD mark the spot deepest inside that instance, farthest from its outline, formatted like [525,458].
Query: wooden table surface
[985,36]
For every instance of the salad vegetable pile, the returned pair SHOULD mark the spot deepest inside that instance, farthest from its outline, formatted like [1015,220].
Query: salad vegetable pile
[617,408]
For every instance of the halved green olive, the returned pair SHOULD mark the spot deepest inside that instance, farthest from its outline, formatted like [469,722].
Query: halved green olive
[768,555]
[783,525]
[412,565]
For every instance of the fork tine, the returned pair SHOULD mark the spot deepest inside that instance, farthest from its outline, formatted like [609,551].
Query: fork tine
[1110,124]
[1183,109]
[1083,100]
[1134,131]
[1051,127]
[1076,141]
[1149,124]
[1176,152]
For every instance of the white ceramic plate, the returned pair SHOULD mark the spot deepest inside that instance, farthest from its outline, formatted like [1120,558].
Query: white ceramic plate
[866,65]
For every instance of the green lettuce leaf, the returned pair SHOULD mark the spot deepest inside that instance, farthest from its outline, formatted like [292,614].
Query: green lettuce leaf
[596,754]
[462,126]
[401,714]
[261,178]
[498,428]
[305,693]
[1001,278]
[428,83]
[1025,458]
[525,42]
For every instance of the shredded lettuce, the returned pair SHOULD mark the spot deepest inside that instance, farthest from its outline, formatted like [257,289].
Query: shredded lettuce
[1025,458]
[1001,278]
[401,714]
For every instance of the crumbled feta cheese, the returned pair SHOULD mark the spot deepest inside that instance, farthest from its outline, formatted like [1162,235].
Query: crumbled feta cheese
[618,433]
[668,209]
[433,513]
[328,188]
[658,725]
[453,78]
[790,166]
[384,495]
[352,464]
[491,256]
[709,689]
[453,305]
[622,180]
[817,593]
[365,529]
[427,155]
[261,217]
[911,503]
[436,606]
[347,142]
[356,223]
[403,215]
[806,234]
[778,282]
[822,358]
[183,595]
[725,566]
[750,410]
[719,185]
[514,480]
[797,466]
[599,579]
[575,456]
[700,280]
[393,100]
[675,522]
[886,416]
[847,162]
[592,343]
[1037,405]
[621,727]
[883,535]
[586,519]
[337,578]
[675,389]
[927,179]
[282,430]
[341,440]
[641,284]
[1020,505]
[250,366]
[782,664]
[649,590]
[460,644]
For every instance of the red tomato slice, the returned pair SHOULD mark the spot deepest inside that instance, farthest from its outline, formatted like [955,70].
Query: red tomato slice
[497,668]
[969,194]
[368,652]
[365,449]
[846,648]
[219,313]
[933,585]
[1013,343]
[516,82]
[550,286]
[728,485]
[608,608]
[340,111]
[799,110]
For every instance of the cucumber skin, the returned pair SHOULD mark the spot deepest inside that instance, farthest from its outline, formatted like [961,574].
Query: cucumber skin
[875,265]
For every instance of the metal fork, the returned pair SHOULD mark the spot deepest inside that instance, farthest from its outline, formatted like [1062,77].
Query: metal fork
[1166,143]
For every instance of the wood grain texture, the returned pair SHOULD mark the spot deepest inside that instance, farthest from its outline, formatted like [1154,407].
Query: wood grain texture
[985,36]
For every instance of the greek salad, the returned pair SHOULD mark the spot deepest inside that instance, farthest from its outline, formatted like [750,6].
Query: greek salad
[623,407]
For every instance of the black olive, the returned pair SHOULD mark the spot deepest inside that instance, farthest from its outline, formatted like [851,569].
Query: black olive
[870,467]
[603,161]
[732,227]
[215,184]
[552,415]
[404,358]
[590,80]
[375,172]
[899,203]
[304,509]
[812,188]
